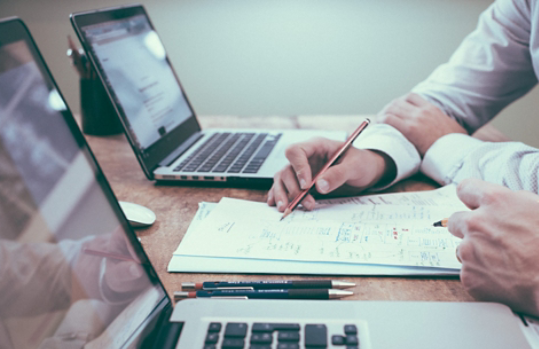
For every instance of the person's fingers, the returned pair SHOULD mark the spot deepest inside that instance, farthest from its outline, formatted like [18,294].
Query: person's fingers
[280,195]
[402,109]
[271,197]
[416,100]
[456,224]
[392,120]
[308,202]
[334,177]
[472,191]
[299,155]
[457,254]
[290,182]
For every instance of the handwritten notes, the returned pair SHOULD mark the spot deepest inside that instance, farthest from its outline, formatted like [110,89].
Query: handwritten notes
[391,229]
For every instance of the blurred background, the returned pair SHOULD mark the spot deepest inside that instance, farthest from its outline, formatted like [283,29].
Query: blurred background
[289,57]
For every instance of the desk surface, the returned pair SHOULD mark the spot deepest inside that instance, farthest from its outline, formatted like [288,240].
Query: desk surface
[176,205]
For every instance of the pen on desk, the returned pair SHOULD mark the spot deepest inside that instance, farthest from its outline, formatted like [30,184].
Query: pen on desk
[266,285]
[265,294]
[442,223]
[294,203]
[108,255]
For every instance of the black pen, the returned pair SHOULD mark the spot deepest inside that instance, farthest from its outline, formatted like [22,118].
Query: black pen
[265,294]
[266,285]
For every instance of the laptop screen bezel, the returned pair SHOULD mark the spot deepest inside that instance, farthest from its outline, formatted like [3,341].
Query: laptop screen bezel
[12,30]
[151,157]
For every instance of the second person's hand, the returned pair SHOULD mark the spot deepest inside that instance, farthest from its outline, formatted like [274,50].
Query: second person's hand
[356,170]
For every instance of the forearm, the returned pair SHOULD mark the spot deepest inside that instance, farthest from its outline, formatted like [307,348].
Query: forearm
[456,157]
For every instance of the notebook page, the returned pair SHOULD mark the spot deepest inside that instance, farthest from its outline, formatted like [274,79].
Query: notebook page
[392,229]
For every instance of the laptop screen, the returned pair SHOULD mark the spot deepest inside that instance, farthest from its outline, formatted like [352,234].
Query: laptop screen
[71,272]
[133,65]
[133,59]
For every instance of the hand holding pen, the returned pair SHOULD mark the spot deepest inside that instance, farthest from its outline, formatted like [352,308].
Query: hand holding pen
[354,171]
[340,152]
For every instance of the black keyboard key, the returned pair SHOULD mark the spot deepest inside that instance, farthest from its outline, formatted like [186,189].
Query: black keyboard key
[262,327]
[261,338]
[236,329]
[288,336]
[210,346]
[338,340]
[212,338]
[316,336]
[288,346]
[233,343]
[260,346]
[214,327]
[272,326]
[352,339]
[286,327]
[350,329]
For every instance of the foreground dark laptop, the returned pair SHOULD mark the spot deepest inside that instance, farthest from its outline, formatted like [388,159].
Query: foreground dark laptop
[157,116]
[73,274]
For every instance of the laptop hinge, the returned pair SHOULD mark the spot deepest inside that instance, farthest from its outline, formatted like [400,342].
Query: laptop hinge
[181,149]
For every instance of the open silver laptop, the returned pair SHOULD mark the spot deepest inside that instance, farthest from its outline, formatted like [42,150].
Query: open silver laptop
[158,118]
[74,275]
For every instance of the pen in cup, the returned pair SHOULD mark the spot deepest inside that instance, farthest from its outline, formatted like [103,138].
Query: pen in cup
[344,147]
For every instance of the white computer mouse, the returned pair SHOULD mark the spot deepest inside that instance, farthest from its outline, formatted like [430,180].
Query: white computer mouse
[137,215]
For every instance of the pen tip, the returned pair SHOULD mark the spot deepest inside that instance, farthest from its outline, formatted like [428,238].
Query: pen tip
[342,284]
[339,293]
[286,213]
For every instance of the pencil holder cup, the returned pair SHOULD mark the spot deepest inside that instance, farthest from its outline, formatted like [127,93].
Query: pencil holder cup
[98,116]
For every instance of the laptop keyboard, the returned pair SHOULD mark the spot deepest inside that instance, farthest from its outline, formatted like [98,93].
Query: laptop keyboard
[230,153]
[272,335]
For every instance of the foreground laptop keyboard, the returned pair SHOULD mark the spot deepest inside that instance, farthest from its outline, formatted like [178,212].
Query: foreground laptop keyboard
[271,335]
[230,153]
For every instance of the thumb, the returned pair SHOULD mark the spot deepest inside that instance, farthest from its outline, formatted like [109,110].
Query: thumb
[332,179]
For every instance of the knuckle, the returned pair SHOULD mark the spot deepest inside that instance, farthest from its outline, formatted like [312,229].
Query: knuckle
[291,151]
[473,223]
[493,197]
[466,278]
[466,251]
[408,96]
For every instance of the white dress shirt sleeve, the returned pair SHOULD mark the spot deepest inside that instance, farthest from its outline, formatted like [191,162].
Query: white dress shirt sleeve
[455,157]
[386,139]
[492,67]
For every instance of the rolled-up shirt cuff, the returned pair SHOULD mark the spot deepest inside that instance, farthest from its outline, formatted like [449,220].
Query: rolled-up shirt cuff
[386,139]
[446,156]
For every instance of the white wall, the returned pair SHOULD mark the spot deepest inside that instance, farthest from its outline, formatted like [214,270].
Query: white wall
[288,57]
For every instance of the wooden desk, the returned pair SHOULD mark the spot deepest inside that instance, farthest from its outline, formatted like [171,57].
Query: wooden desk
[175,206]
